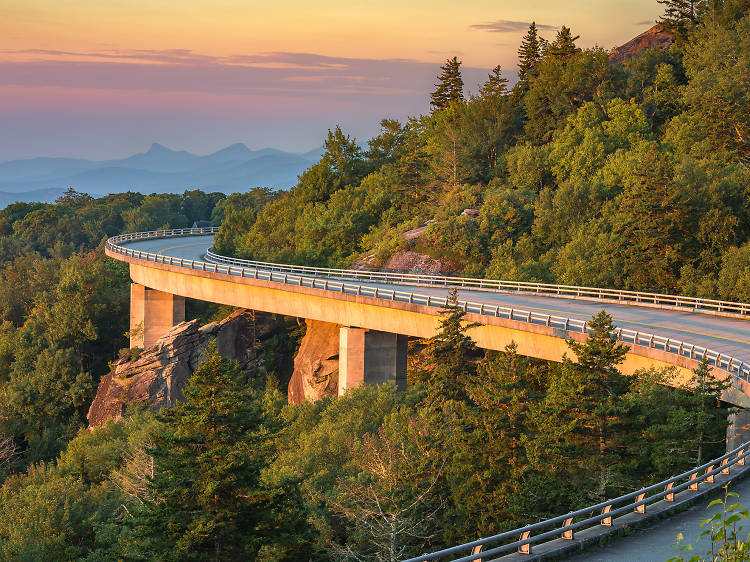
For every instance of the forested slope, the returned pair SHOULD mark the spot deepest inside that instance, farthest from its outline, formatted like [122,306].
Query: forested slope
[630,176]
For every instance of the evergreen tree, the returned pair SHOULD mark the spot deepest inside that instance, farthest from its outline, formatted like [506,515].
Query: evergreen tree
[450,356]
[529,55]
[593,390]
[564,45]
[600,353]
[496,84]
[680,15]
[209,500]
[709,417]
[450,85]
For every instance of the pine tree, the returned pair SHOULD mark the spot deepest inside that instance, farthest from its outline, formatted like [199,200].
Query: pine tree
[594,389]
[600,353]
[529,55]
[564,45]
[210,503]
[450,356]
[710,419]
[496,84]
[449,87]
[680,15]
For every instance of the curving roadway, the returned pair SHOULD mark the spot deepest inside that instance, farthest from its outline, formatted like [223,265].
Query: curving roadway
[726,335]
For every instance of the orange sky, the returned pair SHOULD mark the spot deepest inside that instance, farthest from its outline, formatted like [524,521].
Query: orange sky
[58,58]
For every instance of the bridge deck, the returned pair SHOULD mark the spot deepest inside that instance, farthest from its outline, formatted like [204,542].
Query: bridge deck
[723,334]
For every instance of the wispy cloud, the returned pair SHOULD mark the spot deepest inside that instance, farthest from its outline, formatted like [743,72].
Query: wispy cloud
[177,70]
[644,22]
[508,26]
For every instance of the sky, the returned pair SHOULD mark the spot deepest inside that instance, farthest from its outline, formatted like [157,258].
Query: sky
[104,79]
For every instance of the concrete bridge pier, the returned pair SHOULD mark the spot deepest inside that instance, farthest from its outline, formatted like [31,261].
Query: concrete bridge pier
[371,357]
[738,431]
[152,314]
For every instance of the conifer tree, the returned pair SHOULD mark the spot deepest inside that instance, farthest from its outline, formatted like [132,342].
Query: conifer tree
[209,500]
[529,55]
[594,390]
[449,87]
[450,356]
[710,418]
[564,45]
[496,84]
[680,15]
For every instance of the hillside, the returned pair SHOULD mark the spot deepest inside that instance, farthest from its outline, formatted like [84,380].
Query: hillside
[633,175]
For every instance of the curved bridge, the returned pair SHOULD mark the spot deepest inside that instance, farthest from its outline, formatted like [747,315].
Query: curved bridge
[378,311]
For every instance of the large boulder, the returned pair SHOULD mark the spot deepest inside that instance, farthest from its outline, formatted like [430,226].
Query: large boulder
[158,375]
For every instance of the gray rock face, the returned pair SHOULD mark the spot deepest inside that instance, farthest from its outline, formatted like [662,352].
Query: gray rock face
[159,375]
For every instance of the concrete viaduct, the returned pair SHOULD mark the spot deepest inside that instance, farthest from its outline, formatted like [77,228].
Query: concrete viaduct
[379,311]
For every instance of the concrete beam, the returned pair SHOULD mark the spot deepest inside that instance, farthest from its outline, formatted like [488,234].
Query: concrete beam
[152,314]
[371,357]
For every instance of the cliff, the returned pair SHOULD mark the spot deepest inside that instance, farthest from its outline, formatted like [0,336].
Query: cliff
[158,376]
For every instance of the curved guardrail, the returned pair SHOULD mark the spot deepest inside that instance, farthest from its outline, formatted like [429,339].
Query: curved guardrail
[692,304]
[335,280]
[633,502]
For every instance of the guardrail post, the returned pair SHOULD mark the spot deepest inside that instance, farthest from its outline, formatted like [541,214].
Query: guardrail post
[476,550]
[741,462]
[640,508]
[607,521]
[710,478]
[525,548]
[567,534]
[670,496]
[693,486]
[725,466]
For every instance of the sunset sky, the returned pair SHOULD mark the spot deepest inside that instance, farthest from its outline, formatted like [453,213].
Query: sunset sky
[104,79]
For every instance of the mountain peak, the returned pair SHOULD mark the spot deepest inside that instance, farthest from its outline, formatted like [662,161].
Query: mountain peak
[655,36]
[157,148]
[236,151]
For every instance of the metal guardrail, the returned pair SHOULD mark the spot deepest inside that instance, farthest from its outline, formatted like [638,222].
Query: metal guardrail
[633,502]
[692,304]
[335,280]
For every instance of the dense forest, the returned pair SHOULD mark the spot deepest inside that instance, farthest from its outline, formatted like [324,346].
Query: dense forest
[584,172]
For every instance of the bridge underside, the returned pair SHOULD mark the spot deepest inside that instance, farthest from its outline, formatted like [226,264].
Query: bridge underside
[381,326]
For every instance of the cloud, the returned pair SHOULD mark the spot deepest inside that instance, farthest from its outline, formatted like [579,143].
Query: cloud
[290,74]
[644,22]
[508,26]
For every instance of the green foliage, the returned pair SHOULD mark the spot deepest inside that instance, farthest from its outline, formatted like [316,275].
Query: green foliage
[209,501]
[450,85]
[529,55]
[727,543]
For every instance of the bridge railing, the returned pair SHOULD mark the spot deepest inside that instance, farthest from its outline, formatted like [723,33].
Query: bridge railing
[693,304]
[565,526]
[332,280]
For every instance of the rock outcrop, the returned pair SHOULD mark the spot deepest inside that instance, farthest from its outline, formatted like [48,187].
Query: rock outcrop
[159,375]
[316,365]
[414,262]
[657,36]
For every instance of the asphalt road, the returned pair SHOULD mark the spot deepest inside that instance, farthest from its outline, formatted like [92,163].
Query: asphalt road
[726,335]
[654,544]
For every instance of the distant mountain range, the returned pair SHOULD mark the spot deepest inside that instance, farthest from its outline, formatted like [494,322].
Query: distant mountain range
[160,169]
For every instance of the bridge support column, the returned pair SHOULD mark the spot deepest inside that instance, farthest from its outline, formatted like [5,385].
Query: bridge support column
[152,314]
[371,357]
[738,431]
